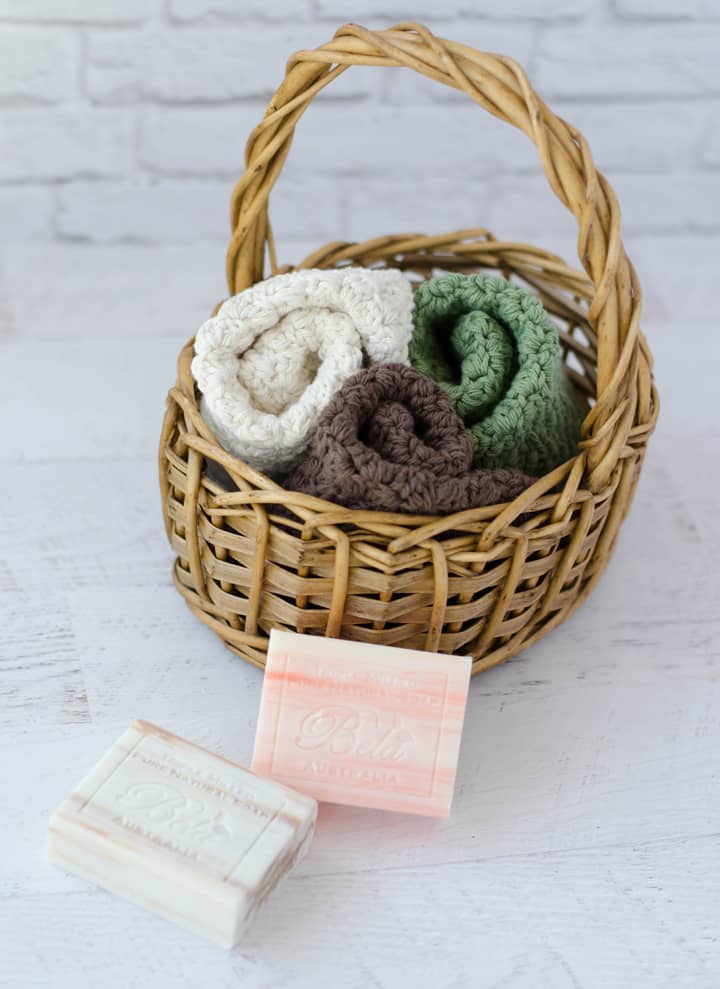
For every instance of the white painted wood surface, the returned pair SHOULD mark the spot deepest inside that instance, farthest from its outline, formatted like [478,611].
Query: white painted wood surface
[584,846]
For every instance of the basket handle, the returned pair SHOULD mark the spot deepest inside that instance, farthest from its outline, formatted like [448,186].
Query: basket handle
[500,86]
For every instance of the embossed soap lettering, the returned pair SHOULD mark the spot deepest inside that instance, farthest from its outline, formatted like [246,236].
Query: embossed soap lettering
[342,731]
[352,774]
[160,803]
[398,688]
[210,782]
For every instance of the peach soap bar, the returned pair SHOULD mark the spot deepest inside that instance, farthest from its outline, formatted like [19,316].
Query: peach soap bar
[181,831]
[372,726]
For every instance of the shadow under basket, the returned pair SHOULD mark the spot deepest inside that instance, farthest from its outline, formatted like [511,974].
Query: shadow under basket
[485,582]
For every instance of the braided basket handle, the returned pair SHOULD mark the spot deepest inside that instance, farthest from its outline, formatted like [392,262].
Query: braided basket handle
[500,86]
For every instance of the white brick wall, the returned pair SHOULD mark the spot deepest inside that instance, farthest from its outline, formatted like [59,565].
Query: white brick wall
[38,65]
[126,120]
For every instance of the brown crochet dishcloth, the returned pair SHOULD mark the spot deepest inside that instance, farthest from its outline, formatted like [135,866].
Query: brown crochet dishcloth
[390,440]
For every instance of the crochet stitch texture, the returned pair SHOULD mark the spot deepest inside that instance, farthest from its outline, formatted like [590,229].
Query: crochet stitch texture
[491,347]
[391,440]
[273,356]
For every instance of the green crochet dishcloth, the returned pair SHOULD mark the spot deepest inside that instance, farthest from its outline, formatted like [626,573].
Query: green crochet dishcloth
[491,346]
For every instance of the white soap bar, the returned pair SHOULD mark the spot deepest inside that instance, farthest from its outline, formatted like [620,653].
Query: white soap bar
[181,831]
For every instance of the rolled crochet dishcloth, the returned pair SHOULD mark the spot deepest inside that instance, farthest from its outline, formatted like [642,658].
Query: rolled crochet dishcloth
[493,350]
[274,355]
[391,440]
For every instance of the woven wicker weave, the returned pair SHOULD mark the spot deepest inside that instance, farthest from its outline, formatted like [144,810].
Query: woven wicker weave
[485,582]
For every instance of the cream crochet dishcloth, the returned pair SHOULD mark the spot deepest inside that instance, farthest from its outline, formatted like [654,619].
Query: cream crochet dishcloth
[274,355]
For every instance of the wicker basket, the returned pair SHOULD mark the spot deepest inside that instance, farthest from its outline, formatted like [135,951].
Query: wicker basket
[485,582]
